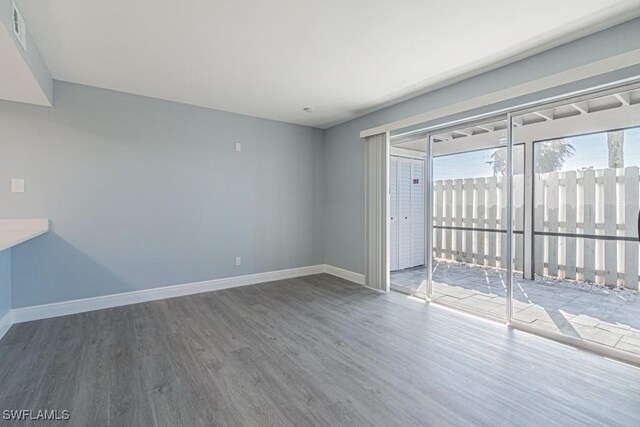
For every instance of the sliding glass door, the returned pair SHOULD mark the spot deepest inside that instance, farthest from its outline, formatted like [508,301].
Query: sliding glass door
[583,280]
[470,213]
[533,219]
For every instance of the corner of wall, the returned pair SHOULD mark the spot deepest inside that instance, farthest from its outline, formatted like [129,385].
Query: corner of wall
[5,292]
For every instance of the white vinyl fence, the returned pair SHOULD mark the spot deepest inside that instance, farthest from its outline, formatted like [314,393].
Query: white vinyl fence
[587,202]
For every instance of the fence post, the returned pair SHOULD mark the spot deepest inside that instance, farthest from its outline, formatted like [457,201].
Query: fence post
[589,226]
[492,209]
[540,184]
[458,218]
[518,193]
[631,183]
[449,218]
[468,219]
[610,228]
[552,212]
[571,201]
[481,219]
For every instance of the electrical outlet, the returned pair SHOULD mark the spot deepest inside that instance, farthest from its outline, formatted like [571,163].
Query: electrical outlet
[238,261]
[238,147]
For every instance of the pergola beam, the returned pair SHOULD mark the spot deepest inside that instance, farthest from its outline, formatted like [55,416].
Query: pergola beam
[580,109]
[623,98]
[544,116]
[548,115]
[462,133]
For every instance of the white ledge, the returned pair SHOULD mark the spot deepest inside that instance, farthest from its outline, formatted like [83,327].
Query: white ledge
[16,231]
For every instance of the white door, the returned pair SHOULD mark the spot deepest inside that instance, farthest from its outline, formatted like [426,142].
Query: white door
[393,213]
[417,212]
[404,213]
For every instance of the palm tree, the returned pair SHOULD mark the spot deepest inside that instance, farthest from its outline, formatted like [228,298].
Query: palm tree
[550,156]
[615,142]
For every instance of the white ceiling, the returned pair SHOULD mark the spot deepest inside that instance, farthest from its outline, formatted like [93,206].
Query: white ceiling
[272,58]
[17,82]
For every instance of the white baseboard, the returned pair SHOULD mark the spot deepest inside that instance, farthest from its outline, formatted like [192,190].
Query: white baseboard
[115,300]
[5,323]
[45,311]
[345,274]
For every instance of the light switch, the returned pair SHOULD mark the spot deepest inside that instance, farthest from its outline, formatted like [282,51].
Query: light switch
[238,147]
[238,261]
[17,185]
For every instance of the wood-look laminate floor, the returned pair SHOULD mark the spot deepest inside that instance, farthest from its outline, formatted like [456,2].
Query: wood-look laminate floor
[309,351]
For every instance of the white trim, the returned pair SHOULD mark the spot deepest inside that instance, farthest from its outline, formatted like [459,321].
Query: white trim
[406,152]
[64,308]
[5,323]
[45,311]
[346,274]
[568,76]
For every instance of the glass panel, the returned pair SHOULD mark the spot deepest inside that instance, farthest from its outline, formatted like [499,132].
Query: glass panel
[583,276]
[469,213]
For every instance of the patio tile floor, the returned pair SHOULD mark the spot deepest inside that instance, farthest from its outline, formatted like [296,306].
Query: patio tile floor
[605,316]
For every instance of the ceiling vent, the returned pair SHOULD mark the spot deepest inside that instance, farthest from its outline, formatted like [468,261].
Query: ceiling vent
[19,27]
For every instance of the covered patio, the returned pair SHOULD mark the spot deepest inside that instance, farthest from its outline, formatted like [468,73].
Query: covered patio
[600,314]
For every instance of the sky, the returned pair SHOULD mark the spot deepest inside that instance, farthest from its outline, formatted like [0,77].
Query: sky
[590,151]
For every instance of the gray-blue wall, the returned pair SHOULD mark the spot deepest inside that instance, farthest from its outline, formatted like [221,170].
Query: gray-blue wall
[5,282]
[344,151]
[143,193]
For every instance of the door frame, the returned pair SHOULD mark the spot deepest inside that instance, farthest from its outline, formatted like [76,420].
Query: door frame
[507,114]
[488,144]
